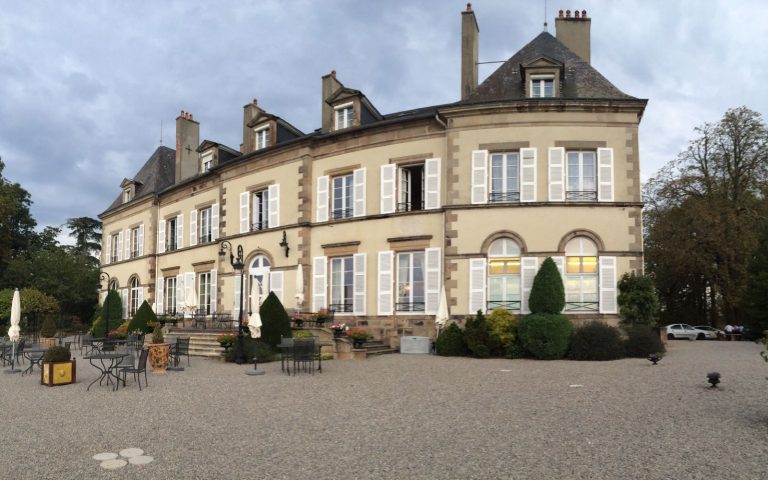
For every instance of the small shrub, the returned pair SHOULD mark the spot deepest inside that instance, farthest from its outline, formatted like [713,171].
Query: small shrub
[480,339]
[251,347]
[503,324]
[48,330]
[140,321]
[637,299]
[57,354]
[547,293]
[516,350]
[546,336]
[324,356]
[275,321]
[302,334]
[450,342]
[642,341]
[596,341]
[157,335]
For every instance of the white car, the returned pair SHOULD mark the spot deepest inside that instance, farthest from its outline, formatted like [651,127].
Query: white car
[709,332]
[683,330]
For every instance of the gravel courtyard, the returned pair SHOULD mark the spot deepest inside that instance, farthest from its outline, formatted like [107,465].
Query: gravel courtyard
[405,417]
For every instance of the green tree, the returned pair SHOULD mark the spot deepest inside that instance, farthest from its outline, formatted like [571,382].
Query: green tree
[275,321]
[638,302]
[756,295]
[87,234]
[547,293]
[141,319]
[33,302]
[16,222]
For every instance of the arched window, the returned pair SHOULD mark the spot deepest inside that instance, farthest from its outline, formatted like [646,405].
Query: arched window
[113,284]
[581,292]
[258,279]
[504,275]
[134,297]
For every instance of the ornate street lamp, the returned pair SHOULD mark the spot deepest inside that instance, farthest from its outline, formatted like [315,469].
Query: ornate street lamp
[238,264]
[105,276]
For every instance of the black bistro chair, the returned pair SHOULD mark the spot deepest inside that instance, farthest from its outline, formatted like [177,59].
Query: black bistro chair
[180,349]
[137,370]
[304,355]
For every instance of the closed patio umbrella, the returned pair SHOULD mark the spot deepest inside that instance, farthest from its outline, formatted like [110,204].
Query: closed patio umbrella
[254,317]
[442,316]
[190,302]
[14,330]
[299,286]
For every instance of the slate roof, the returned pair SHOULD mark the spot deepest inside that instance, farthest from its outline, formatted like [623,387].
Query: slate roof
[157,174]
[580,80]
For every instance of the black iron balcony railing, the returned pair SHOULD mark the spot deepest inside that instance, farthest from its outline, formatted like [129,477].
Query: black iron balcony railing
[341,213]
[169,247]
[581,195]
[581,307]
[134,253]
[262,225]
[501,197]
[409,306]
[205,238]
[409,206]
[341,307]
[512,305]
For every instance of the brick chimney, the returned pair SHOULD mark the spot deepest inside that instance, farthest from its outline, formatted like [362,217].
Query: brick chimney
[330,85]
[469,38]
[187,141]
[574,32]
[250,111]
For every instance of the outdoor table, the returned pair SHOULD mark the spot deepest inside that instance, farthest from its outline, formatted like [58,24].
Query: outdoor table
[28,354]
[287,349]
[105,369]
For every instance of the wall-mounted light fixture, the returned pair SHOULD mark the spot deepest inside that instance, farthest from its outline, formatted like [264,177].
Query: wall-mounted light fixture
[284,244]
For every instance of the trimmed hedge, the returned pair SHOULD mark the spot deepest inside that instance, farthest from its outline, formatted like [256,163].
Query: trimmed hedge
[546,336]
[141,319]
[275,323]
[450,342]
[642,341]
[596,341]
[547,293]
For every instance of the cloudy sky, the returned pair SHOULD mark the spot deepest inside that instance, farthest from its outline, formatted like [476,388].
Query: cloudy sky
[84,86]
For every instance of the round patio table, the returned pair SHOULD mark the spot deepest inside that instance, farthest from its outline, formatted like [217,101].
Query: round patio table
[106,363]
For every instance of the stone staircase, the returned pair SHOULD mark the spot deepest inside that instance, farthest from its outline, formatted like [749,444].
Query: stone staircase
[201,343]
[377,347]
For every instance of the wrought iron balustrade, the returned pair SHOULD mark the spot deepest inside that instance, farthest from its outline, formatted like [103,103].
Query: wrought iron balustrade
[256,226]
[581,307]
[341,307]
[410,306]
[501,197]
[512,305]
[339,213]
[409,206]
[581,195]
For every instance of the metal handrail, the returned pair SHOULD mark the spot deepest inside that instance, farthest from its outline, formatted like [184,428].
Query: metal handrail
[581,195]
[340,307]
[410,306]
[409,206]
[263,225]
[581,306]
[505,304]
[341,213]
[507,196]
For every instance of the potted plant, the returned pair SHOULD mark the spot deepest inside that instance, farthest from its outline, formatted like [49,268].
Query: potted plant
[338,329]
[226,340]
[358,336]
[48,331]
[158,351]
[58,367]
[320,317]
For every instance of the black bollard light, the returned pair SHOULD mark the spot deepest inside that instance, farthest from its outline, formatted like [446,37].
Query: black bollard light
[713,378]
[654,358]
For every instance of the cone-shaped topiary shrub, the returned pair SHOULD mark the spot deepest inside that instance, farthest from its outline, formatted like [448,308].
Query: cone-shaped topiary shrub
[141,319]
[642,341]
[274,320]
[112,307]
[450,342]
[547,293]
[48,330]
[596,341]
[546,336]
[481,341]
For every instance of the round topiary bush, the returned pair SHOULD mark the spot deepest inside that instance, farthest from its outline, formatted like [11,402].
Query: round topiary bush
[450,342]
[503,324]
[596,341]
[546,336]
[642,341]
[140,321]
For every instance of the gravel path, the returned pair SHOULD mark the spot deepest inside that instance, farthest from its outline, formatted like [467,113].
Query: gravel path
[406,417]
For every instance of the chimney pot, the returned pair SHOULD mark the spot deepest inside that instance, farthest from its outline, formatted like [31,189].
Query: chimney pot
[190,116]
[255,103]
[333,73]
[576,14]
[469,7]
[583,14]
[567,14]
[561,14]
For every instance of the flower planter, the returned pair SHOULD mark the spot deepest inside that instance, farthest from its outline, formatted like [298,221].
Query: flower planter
[338,332]
[58,373]
[158,357]
[358,342]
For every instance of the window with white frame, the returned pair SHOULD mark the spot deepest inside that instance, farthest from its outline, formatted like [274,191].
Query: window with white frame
[342,284]
[204,225]
[204,292]
[581,176]
[206,162]
[260,220]
[581,275]
[113,248]
[411,188]
[505,177]
[134,297]
[258,280]
[410,282]
[134,242]
[542,86]
[504,275]
[170,234]
[344,116]
[262,137]
[127,195]
[169,302]
[341,197]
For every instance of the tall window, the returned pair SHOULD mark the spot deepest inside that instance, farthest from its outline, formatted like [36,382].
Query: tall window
[133,302]
[341,284]
[170,235]
[134,242]
[581,293]
[258,276]
[262,138]
[113,249]
[410,282]
[581,176]
[205,225]
[411,188]
[543,87]
[342,196]
[504,275]
[204,292]
[344,115]
[127,195]
[206,162]
[505,177]
[260,210]
[170,296]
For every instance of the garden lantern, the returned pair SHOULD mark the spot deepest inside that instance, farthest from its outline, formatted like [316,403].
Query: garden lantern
[238,264]
[713,378]
[654,358]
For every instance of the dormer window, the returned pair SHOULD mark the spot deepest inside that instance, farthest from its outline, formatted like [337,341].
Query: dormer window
[262,137]
[344,115]
[542,86]
[206,162]
[128,194]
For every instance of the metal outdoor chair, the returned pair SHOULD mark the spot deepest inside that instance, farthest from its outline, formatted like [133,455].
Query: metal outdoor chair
[20,350]
[180,349]
[137,370]
[34,359]
[86,342]
[304,355]
[286,354]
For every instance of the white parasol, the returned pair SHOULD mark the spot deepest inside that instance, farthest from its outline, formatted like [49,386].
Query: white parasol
[299,286]
[13,331]
[254,320]
[190,302]
[442,316]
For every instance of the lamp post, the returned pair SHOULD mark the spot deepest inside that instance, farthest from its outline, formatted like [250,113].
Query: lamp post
[238,264]
[105,277]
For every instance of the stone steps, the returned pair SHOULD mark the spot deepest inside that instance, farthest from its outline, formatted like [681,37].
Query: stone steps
[201,343]
[377,347]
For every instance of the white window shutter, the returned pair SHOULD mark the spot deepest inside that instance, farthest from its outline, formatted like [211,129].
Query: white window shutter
[193,228]
[477,280]
[607,282]
[432,280]
[274,206]
[244,198]
[432,184]
[385,299]
[161,236]
[319,283]
[322,199]
[141,296]
[214,291]
[479,177]
[159,295]
[214,222]
[388,188]
[556,174]
[528,268]
[124,295]
[119,246]
[180,230]
[179,293]
[276,284]
[527,174]
[358,285]
[358,192]
[141,240]
[127,237]
[605,174]
[236,296]
[108,256]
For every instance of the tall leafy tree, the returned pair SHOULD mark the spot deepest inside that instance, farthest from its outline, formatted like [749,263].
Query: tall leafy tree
[16,222]
[87,234]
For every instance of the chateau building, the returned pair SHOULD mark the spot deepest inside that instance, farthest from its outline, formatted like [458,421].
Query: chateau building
[379,211]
